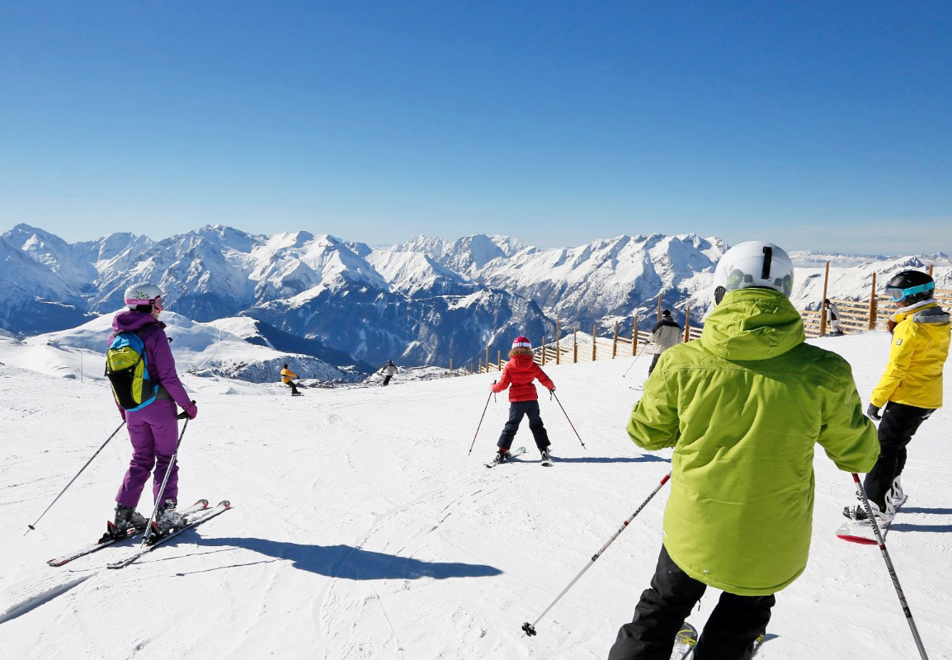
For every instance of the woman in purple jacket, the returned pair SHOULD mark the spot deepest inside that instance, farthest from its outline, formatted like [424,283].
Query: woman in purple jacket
[153,429]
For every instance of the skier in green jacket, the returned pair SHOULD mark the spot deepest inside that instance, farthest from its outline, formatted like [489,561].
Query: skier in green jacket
[743,408]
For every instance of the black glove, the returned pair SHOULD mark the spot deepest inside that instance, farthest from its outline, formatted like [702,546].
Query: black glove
[873,412]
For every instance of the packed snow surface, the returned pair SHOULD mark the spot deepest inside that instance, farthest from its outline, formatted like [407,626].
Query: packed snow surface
[363,528]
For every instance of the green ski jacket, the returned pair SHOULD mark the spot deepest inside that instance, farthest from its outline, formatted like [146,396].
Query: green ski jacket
[743,408]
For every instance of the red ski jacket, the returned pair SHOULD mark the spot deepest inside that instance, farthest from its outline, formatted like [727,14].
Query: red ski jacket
[521,371]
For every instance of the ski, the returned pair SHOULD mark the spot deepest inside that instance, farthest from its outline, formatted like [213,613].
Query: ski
[108,540]
[861,531]
[204,516]
[684,642]
[513,454]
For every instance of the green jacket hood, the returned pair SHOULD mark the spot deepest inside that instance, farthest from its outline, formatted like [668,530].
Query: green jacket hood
[752,324]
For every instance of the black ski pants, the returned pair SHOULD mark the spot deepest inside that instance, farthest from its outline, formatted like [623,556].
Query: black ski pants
[729,633]
[899,423]
[654,363]
[517,410]
[386,380]
[292,386]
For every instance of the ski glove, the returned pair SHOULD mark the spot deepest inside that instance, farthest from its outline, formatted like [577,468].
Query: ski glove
[873,412]
[191,410]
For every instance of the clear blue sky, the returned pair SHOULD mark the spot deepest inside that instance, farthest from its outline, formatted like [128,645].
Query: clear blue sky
[819,125]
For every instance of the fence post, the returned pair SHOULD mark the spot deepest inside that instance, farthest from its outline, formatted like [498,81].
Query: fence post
[634,337]
[687,324]
[479,369]
[931,266]
[487,357]
[872,305]
[659,305]
[543,350]
[575,346]
[499,360]
[594,343]
[558,350]
[826,280]
[615,342]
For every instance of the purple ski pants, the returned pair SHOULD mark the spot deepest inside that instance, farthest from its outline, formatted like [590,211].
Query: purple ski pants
[153,432]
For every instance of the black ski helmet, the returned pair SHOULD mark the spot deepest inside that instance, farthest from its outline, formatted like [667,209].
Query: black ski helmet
[910,286]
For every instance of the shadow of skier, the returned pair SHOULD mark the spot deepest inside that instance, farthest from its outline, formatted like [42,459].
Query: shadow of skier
[350,563]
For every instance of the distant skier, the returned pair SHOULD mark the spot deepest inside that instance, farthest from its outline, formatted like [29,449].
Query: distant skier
[390,370]
[910,388]
[520,371]
[152,422]
[666,333]
[832,317]
[742,407]
[286,378]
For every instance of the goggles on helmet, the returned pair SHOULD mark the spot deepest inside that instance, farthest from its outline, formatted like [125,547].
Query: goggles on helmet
[898,294]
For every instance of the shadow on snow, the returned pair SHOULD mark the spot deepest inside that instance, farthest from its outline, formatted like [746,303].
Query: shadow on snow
[350,563]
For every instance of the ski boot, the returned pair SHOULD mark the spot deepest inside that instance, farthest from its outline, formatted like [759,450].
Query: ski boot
[127,522]
[167,520]
[895,498]
[501,457]
[857,512]
[546,458]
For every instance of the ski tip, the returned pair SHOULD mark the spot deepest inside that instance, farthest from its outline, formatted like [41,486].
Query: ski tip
[225,503]
[861,540]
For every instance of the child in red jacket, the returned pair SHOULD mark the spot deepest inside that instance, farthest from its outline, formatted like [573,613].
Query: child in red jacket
[520,371]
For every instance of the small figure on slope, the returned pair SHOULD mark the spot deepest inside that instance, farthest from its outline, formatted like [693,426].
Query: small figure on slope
[742,407]
[286,377]
[910,388]
[389,370]
[146,390]
[666,333]
[520,371]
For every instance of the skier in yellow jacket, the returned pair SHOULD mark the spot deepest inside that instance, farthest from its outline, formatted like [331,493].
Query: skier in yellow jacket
[286,376]
[910,389]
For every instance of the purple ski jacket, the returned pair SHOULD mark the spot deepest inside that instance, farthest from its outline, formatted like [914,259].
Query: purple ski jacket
[158,352]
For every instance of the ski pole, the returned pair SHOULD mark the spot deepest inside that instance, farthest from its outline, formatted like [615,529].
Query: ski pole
[158,500]
[31,527]
[643,347]
[529,628]
[889,565]
[480,421]
[552,392]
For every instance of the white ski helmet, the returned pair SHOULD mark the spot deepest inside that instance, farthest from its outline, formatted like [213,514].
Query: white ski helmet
[141,294]
[753,264]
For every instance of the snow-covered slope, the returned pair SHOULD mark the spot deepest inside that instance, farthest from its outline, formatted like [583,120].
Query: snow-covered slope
[363,529]
[199,347]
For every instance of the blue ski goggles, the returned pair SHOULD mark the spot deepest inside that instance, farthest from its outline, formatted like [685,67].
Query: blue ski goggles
[899,294]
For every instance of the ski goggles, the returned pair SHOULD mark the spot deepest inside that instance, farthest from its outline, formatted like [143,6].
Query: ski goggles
[898,294]
[158,303]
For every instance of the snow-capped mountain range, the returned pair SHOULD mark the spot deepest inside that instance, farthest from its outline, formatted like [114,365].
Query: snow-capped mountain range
[423,302]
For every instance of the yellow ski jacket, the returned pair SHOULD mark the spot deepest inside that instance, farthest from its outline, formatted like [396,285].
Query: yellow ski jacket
[287,375]
[920,346]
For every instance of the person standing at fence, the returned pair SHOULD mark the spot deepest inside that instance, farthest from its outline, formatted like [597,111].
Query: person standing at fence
[666,333]
[743,407]
[286,376]
[832,317]
[520,371]
[910,388]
